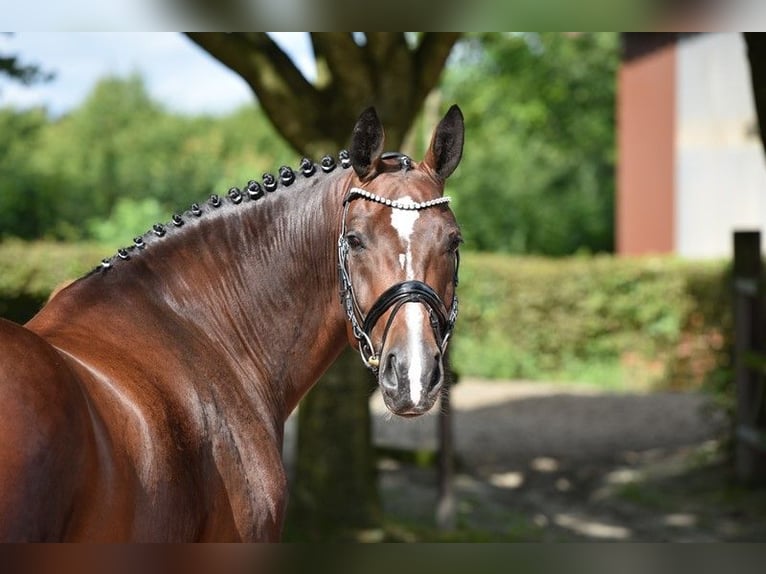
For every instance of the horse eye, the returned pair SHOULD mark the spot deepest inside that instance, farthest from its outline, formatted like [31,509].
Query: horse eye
[354,241]
[454,243]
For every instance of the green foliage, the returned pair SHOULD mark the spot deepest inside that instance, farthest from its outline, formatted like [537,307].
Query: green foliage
[22,209]
[35,268]
[30,271]
[537,174]
[121,149]
[621,322]
[129,218]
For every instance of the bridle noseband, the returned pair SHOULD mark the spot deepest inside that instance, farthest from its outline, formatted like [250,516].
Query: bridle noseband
[442,319]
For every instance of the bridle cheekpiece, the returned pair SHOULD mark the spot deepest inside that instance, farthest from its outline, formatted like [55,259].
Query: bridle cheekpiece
[412,291]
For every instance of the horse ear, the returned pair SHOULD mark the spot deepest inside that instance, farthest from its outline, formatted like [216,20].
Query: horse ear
[446,148]
[366,142]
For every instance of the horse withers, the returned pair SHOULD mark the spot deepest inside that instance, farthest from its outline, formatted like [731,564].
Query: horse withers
[146,401]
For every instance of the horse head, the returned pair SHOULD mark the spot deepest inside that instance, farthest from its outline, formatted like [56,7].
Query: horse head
[398,261]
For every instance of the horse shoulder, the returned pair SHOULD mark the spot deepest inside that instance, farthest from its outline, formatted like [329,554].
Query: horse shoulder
[245,475]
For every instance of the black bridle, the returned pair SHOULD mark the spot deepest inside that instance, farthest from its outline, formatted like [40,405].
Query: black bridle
[442,320]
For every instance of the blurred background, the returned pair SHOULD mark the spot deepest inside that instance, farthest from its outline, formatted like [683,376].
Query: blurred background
[603,180]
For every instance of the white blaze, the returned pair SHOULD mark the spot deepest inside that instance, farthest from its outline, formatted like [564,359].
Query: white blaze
[403,221]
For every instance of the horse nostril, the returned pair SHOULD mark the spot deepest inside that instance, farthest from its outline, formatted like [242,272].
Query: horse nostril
[390,378]
[436,374]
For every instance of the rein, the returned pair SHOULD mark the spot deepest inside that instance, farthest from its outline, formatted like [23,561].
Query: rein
[441,319]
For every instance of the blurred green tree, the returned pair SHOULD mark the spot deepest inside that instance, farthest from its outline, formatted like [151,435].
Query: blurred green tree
[22,205]
[128,219]
[538,172]
[115,152]
[19,188]
[94,148]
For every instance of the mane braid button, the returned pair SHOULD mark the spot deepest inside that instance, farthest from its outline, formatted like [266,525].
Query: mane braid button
[177,221]
[158,229]
[269,182]
[235,195]
[307,167]
[286,175]
[254,190]
[196,211]
[345,159]
[106,263]
[215,201]
[139,242]
[328,163]
[122,253]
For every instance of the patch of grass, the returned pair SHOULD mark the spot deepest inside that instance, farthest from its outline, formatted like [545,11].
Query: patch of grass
[645,494]
[420,458]
[607,375]
[520,529]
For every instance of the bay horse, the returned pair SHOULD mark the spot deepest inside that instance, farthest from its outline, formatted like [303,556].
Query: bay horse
[146,401]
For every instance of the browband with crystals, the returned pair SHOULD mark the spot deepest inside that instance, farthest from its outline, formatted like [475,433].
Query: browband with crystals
[411,206]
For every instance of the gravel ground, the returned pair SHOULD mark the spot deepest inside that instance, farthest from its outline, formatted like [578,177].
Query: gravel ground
[502,424]
[539,461]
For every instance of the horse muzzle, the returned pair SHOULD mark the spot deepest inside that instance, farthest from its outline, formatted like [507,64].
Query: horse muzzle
[411,370]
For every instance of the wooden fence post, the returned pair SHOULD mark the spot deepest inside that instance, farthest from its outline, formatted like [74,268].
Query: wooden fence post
[749,359]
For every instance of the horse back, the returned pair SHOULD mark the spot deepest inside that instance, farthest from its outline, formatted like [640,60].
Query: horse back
[46,438]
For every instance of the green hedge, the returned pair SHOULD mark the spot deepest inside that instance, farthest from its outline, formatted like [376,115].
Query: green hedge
[619,322]
[29,271]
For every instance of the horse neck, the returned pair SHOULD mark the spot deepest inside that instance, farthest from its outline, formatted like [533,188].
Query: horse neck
[259,282]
